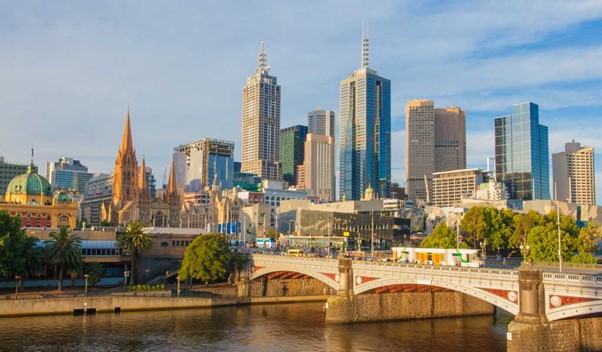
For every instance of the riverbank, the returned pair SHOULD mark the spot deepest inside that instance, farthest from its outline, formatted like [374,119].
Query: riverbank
[117,304]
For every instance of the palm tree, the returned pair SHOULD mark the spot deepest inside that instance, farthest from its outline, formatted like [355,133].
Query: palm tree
[34,258]
[133,241]
[64,251]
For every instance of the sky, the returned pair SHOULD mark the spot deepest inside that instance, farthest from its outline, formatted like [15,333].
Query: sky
[69,70]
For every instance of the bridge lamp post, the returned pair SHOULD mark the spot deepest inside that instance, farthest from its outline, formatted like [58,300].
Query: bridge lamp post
[525,253]
[18,283]
[126,274]
[178,287]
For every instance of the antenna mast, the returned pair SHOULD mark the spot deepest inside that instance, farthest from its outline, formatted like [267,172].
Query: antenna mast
[365,46]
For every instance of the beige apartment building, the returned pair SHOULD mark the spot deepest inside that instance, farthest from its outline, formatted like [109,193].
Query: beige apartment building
[574,174]
[449,187]
[261,123]
[319,167]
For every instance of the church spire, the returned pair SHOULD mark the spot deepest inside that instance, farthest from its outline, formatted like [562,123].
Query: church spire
[142,184]
[171,184]
[126,140]
[365,46]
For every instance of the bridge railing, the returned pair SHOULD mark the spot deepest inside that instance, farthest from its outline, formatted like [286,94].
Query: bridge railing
[587,280]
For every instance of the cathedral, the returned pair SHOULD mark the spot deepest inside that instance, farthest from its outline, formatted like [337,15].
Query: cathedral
[131,199]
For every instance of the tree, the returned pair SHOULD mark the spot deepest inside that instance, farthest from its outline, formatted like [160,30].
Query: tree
[589,237]
[475,225]
[441,237]
[95,270]
[34,258]
[133,241]
[272,233]
[207,258]
[63,250]
[12,245]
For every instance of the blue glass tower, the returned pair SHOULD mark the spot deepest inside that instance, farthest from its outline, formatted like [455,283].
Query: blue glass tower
[365,132]
[521,153]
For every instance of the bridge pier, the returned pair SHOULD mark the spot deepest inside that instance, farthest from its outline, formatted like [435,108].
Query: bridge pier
[531,331]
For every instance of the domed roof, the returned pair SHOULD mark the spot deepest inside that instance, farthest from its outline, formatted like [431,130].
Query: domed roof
[30,183]
[63,197]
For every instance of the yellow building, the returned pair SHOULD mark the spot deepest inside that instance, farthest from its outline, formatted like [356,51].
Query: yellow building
[30,196]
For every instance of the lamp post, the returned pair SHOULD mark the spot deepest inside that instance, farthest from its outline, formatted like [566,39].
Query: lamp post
[525,253]
[18,283]
[146,271]
[178,287]
[86,276]
[126,274]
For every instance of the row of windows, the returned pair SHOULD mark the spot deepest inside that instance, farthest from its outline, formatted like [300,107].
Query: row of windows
[100,252]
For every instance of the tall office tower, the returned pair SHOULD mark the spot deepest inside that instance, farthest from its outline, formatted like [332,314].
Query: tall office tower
[261,123]
[521,153]
[321,122]
[319,167]
[292,142]
[67,174]
[420,148]
[574,174]
[98,191]
[151,182]
[8,171]
[197,164]
[365,131]
[450,139]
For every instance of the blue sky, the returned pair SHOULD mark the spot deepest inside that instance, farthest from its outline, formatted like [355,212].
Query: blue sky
[70,69]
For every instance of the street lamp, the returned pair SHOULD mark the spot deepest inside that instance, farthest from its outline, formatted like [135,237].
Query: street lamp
[86,284]
[18,283]
[126,274]
[146,274]
[178,287]
[525,253]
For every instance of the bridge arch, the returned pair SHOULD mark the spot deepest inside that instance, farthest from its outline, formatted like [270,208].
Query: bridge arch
[498,301]
[328,279]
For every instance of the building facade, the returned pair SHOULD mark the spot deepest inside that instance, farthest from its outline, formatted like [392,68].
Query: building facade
[319,176]
[321,122]
[98,191]
[521,153]
[450,187]
[574,174]
[292,152]
[261,123]
[450,139]
[365,157]
[197,164]
[68,174]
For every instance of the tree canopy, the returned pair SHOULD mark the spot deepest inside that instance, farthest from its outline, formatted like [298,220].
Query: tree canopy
[133,241]
[63,250]
[13,244]
[207,258]
[441,237]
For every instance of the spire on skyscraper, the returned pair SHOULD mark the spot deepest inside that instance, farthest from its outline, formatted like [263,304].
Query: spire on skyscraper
[365,46]
[262,66]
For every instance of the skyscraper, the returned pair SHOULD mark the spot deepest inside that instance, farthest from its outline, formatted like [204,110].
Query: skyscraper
[321,122]
[365,131]
[521,153]
[292,142]
[436,142]
[574,175]
[67,174]
[319,167]
[261,123]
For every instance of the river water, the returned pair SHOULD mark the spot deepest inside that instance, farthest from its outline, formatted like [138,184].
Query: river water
[284,327]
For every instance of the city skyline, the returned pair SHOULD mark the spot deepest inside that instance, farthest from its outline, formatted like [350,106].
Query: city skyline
[65,62]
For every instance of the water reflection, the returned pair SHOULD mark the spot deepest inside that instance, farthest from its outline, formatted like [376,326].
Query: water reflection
[290,327]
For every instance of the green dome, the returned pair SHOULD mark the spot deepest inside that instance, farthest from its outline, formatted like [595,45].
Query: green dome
[30,183]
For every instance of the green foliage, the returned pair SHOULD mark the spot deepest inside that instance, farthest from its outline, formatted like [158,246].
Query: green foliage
[63,250]
[442,237]
[146,288]
[132,242]
[586,258]
[589,236]
[95,270]
[106,223]
[207,258]
[272,233]
[13,242]
[34,258]
[476,225]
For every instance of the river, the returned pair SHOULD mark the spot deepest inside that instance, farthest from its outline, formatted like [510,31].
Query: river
[283,327]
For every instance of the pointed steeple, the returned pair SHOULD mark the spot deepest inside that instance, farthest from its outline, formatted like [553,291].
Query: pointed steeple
[126,140]
[171,184]
[142,184]
[262,64]
[365,46]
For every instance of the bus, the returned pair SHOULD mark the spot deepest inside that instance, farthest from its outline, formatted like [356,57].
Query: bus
[265,242]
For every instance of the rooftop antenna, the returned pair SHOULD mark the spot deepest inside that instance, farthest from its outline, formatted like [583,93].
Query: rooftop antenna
[262,66]
[365,45]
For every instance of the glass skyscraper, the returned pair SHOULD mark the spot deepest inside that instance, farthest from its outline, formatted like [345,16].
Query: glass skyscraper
[292,147]
[365,132]
[521,153]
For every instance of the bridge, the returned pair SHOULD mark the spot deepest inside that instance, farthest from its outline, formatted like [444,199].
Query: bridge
[529,294]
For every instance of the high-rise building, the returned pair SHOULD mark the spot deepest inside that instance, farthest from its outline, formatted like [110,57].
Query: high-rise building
[449,187]
[365,131]
[292,141]
[319,167]
[198,163]
[321,122]
[521,153]
[151,182]
[8,171]
[261,123]
[98,191]
[67,174]
[436,142]
[420,148]
[450,139]
[574,174]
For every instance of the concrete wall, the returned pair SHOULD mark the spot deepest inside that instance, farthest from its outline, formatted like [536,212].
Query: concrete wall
[402,306]
[561,335]
[288,287]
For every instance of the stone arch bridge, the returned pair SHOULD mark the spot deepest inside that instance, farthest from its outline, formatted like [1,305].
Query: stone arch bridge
[529,294]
